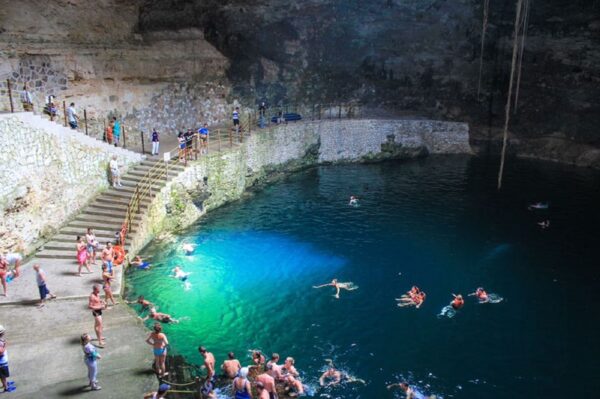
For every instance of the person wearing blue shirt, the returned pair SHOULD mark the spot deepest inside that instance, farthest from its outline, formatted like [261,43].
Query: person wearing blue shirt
[116,131]
[203,132]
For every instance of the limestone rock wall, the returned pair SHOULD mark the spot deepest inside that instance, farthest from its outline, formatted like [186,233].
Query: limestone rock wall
[47,176]
[219,178]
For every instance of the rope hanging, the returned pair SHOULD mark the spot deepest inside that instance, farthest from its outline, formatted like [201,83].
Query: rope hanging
[525,25]
[510,87]
[486,6]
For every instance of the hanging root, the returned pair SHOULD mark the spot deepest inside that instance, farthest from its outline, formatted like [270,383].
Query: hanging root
[524,25]
[510,87]
[486,7]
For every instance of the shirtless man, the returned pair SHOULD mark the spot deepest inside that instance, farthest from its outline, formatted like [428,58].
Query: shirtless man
[162,317]
[261,391]
[333,375]
[416,300]
[291,375]
[179,274]
[97,305]
[14,259]
[334,283]
[231,366]
[269,384]
[108,256]
[273,369]
[408,390]
[209,363]
[258,358]
[481,295]
[4,273]
[141,301]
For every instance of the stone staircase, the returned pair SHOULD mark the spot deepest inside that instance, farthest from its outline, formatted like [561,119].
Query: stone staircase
[105,214]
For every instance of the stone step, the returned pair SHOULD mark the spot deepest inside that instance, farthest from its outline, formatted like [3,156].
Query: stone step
[147,165]
[140,173]
[157,184]
[99,224]
[56,254]
[103,212]
[65,246]
[113,205]
[101,234]
[84,218]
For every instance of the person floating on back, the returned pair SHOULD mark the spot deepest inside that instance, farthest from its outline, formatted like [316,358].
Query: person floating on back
[348,286]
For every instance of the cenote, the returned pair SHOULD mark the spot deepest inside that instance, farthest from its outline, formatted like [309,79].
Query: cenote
[438,223]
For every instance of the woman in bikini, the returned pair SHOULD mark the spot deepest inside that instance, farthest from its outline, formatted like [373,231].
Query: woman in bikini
[159,343]
[90,239]
[107,277]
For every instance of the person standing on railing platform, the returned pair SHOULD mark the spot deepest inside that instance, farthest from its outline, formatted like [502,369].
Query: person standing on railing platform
[72,116]
[181,141]
[26,99]
[203,133]
[116,131]
[189,140]
[155,142]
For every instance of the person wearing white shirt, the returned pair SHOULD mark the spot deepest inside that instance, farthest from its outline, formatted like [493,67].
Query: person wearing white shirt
[114,172]
[72,116]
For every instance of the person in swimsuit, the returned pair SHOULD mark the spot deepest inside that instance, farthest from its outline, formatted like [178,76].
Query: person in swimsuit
[180,274]
[108,256]
[349,286]
[291,375]
[258,359]
[481,295]
[262,392]
[268,383]
[92,244]
[203,132]
[458,302]
[241,385]
[15,260]
[82,256]
[274,369]
[163,390]
[159,343]
[97,305]
[139,263]
[544,224]
[141,301]
[107,277]
[332,375]
[162,317]
[209,363]
[353,201]
[415,300]
[188,248]
[4,274]
[231,366]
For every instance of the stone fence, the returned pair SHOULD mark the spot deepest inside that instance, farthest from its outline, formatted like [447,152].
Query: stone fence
[47,174]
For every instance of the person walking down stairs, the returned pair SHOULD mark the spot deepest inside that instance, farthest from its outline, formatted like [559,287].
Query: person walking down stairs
[116,131]
[72,116]
[155,142]
[26,99]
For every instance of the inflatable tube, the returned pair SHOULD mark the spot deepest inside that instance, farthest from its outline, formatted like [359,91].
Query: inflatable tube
[119,254]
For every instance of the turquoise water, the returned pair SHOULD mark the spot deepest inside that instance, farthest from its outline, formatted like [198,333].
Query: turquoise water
[438,223]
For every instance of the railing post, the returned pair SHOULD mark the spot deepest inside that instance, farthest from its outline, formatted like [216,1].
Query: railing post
[104,138]
[230,139]
[65,112]
[142,137]
[340,111]
[123,134]
[12,107]
[219,136]
[85,121]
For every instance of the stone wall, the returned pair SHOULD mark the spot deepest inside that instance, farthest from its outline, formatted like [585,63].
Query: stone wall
[223,177]
[48,174]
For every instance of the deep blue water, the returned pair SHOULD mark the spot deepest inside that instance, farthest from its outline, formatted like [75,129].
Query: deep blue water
[438,223]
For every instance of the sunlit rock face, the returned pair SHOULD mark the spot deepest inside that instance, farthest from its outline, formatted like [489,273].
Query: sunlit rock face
[410,56]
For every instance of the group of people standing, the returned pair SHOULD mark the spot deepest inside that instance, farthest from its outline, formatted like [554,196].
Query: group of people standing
[112,134]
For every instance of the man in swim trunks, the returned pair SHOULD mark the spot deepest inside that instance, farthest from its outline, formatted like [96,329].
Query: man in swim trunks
[4,273]
[108,256]
[179,274]
[203,132]
[334,283]
[457,302]
[408,390]
[481,295]
[209,363]
[162,317]
[261,391]
[231,366]
[273,369]
[97,305]
[291,375]
[269,384]
[145,303]
[333,375]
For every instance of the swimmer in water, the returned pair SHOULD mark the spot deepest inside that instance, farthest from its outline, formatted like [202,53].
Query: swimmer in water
[408,297]
[458,302]
[180,274]
[162,317]
[258,358]
[481,295]
[408,390]
[139,263]
[333,376]
[348,286]
[416,300]
[141,301]
[544,224]
[353,201]
[539,205]
[188,248]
